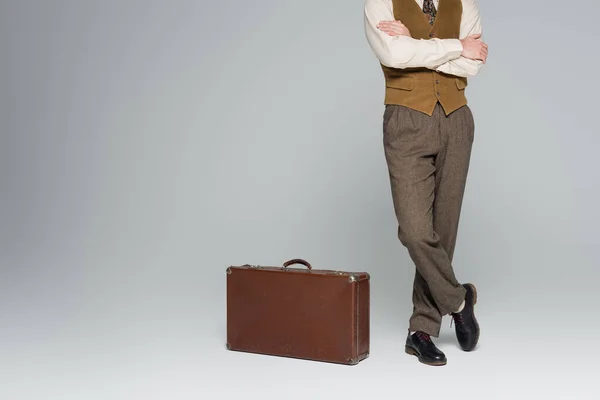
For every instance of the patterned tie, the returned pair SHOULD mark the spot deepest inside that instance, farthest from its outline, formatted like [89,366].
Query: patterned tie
[429,10]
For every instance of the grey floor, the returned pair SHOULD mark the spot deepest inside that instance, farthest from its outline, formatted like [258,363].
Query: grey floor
[141,339]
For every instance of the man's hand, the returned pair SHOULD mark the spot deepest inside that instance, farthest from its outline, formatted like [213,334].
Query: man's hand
[474,48]
[393,28]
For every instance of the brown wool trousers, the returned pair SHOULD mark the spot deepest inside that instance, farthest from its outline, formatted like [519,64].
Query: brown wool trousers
[428,161]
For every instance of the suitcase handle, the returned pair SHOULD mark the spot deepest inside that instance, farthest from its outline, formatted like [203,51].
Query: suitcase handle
[296,261]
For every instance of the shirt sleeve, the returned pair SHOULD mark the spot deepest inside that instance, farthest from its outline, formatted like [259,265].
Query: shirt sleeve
[470,25]
[403,51]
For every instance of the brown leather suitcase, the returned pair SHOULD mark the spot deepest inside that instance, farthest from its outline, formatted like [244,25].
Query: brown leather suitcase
[319,315]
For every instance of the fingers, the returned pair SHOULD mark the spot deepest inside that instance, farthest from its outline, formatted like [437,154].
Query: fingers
[393,28]
[390,24]
[396,32]
[483,54]
[482,51]
[475,36]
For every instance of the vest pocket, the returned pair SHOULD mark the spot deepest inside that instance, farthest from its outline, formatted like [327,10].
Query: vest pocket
[401,82]
[461,83]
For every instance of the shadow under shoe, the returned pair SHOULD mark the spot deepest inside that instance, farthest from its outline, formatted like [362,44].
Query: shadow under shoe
[466,325]
[419,344]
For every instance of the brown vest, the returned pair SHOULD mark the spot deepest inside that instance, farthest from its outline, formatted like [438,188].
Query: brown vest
[421,88]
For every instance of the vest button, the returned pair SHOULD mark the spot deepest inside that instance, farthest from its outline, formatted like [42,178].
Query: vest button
[438,93]
[432,34]
[436,81]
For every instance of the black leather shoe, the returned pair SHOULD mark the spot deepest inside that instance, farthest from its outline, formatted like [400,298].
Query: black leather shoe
[419,344]
[466,326]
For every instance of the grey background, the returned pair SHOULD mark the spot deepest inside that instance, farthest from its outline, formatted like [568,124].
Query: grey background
[147,145]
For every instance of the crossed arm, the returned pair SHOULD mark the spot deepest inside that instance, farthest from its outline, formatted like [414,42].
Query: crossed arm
[394,47]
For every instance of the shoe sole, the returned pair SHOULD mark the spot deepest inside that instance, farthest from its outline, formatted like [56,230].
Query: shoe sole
[409,350]
[474,318]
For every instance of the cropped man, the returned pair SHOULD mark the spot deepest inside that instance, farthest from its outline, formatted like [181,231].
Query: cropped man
[427,49]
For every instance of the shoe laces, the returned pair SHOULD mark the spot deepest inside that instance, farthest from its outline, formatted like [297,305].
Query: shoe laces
[458,318]
[423,336]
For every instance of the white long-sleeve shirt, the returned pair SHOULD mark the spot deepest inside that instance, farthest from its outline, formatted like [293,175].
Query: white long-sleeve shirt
[443,55]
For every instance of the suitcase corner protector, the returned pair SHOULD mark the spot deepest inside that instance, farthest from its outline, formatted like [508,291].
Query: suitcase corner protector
[359,358]
[357,278]
[228,345]
[229,270]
